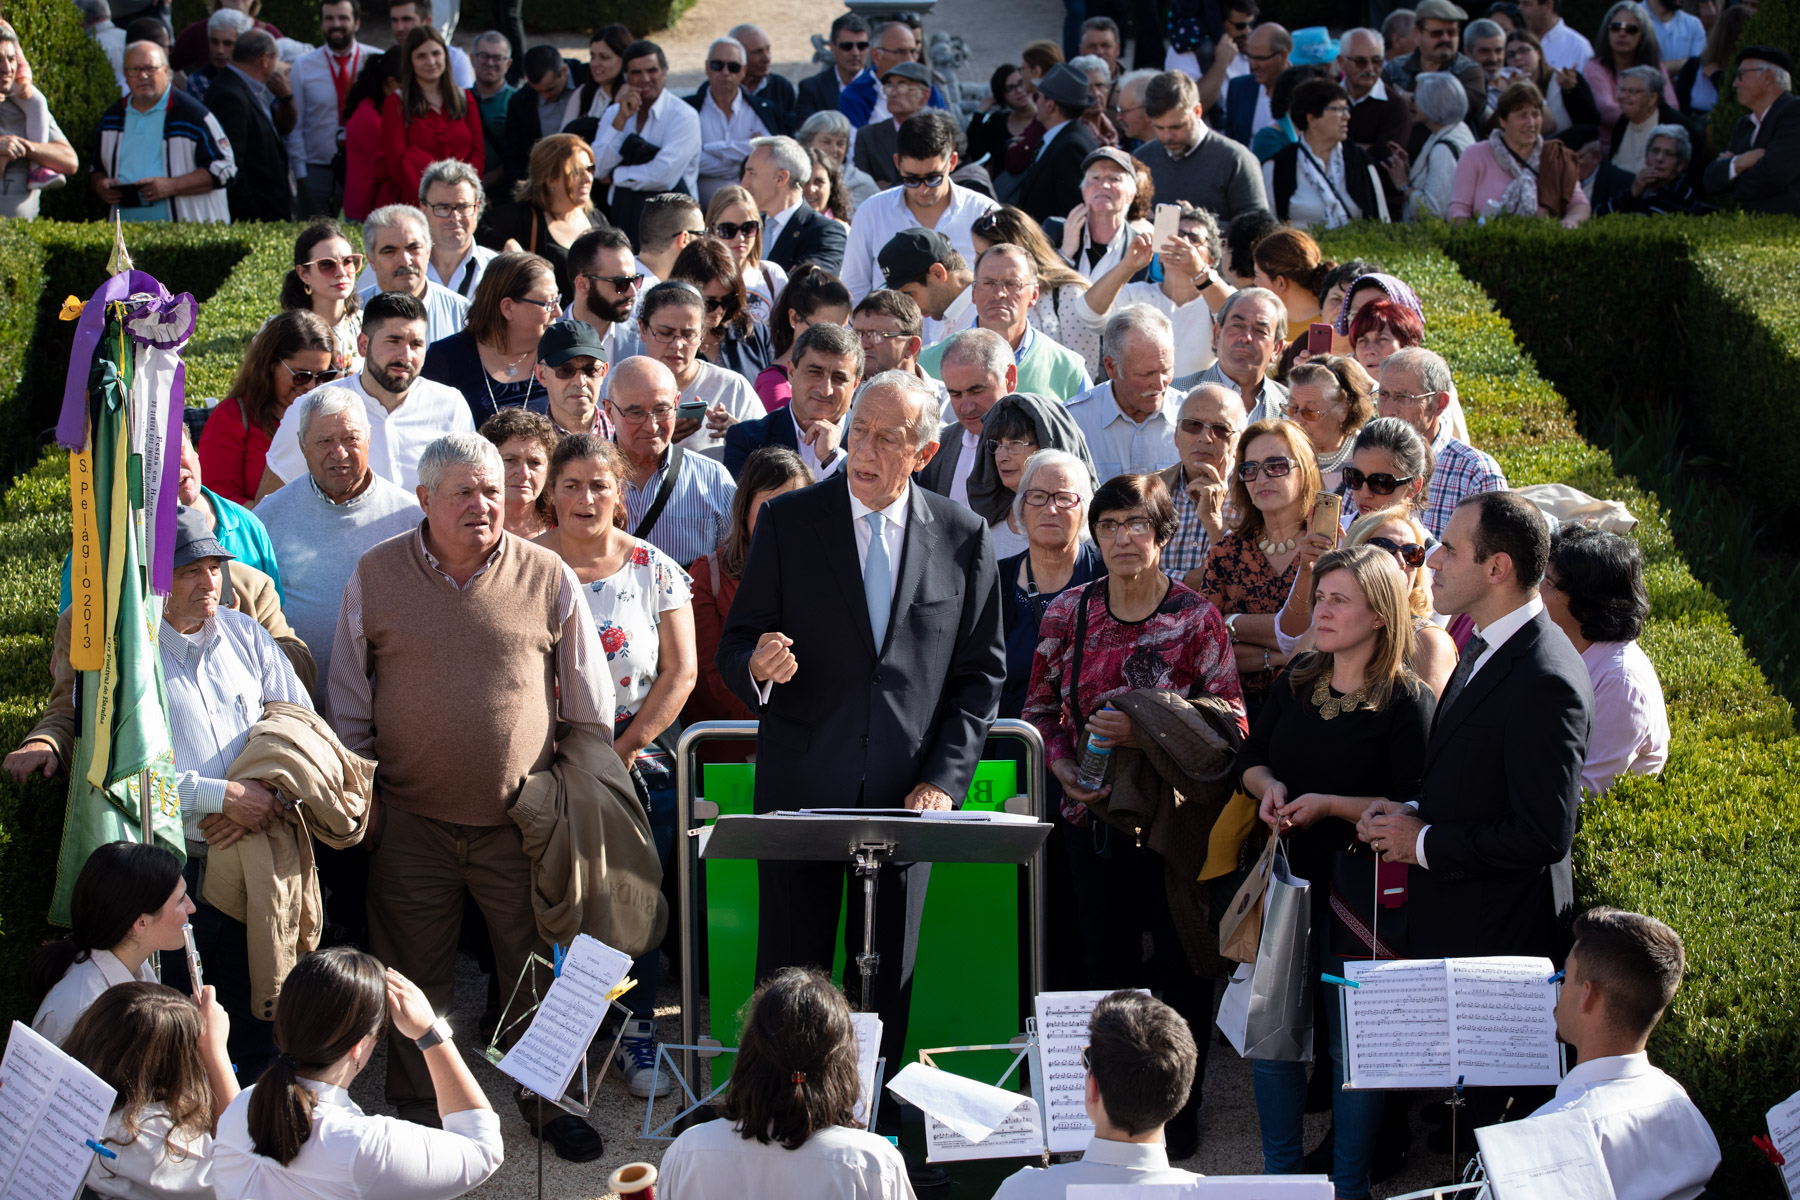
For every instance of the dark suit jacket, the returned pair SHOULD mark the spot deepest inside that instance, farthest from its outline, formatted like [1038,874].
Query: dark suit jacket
[1240,108]
[746,437]
[817,93]
[1501,787]
[941,469]
[260,191]
[807,237]
[875,144]
[1773,184]
[778,92]
[861,724]
[523,129]
[1051,186]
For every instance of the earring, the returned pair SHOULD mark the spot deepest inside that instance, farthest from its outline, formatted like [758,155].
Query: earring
[308,288]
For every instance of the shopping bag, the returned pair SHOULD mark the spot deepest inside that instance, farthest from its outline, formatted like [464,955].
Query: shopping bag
[1240,929]
[1279,1026]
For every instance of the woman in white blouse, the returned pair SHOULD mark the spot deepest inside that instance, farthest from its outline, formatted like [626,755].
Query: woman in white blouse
[642,602]
[1324,178]
[297,1135]
[166,1061]
[129,900]
[790,1125]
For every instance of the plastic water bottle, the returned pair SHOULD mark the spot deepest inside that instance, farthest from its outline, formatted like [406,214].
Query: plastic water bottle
[1093,762]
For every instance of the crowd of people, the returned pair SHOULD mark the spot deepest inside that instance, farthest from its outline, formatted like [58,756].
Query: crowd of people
[873,412]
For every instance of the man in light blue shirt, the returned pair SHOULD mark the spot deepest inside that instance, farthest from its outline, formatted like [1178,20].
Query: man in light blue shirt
[694,521]
[399,246]
[1129,421]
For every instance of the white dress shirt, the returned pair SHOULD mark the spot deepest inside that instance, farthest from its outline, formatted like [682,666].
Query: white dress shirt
[77,990]
[1118,1164]
[1656,1144]
[1630,734]
[884,214]
[672,124]
[152,1165]
[396,439]
[1193,322]
[467,272]
[965,462]
[317,117]
[715,1162]
[725,140]
[810,457]
[1121,446]
[959,315]
[445,311]
[1564,49]
[350,1155]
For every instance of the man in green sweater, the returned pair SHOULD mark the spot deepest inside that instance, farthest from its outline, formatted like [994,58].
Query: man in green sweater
[1005,289]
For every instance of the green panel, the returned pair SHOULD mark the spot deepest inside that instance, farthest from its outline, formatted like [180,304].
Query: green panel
[966,979]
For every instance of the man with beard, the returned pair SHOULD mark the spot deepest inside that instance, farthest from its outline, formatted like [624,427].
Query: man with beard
[398,242]
[405,413]
[321,82]
[607,282]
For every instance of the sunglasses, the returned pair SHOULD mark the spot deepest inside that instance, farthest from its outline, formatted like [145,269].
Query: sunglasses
[349,264]
[715,303]
[621,282]
[1193,428]
[1409,553]
[858,46]
[725,65]
[727,230]
[1381,483]
[1274,468]
[985,225]
[919,181]
[308,378]
[1622,27]
[568,371]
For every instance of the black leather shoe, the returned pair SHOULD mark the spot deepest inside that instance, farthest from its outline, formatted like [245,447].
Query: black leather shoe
[573,1139]
[924,1175]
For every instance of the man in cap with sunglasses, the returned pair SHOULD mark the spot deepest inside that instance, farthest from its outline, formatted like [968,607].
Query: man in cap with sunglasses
[1440,32]
[1051,185]
[1761,166]
[1415,387]
[730,118]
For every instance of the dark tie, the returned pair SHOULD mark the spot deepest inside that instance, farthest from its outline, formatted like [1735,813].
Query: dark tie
[1465,667]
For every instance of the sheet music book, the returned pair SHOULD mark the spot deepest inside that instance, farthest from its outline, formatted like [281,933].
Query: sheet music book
[1553,1157]
[1428,1022]
[556,1042]
[967,1119]
[1784,1132]
[50,1106]
[1062,1029]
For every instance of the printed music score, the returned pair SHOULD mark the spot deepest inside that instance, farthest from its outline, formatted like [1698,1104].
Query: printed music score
[1428,1022]
[546,1058]
[1784,1135]
[1062,1030]
[50,1106]
[965,1118]
[868,1052]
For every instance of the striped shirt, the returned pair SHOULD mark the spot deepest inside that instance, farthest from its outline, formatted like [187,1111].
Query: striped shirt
[218,681]
[698,516]
[1458,472]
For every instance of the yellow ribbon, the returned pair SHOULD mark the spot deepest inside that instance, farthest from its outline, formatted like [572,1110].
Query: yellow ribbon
[87,641]
[71,309]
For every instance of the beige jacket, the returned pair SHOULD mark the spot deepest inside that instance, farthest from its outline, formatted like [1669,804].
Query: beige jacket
[594,867]
[267,880]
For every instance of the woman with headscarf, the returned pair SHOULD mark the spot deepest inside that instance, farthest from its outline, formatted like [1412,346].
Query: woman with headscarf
[1017,427]
[1374,286]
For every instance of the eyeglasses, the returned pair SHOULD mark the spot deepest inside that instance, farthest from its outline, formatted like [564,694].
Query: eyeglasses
[1338,110]
[670,337]
[492,59]
[637,416]
[1085,1064]
[1743,71]
[858,46]
[1622,27]
[1218,432]
[728,230]
[1016,287]
[1108,528]
[1365,62]
[1274,468]
[620,282]
[449,210]
[917,181]
[1380,483]
[1263,58]
[874,337]
[1409,553]
[308,378]
[1011,445]
[1401,399]
[568,371]
[1058,501]
[1309,415]
[147,72]
[725,65]
[546,305]
[349,264]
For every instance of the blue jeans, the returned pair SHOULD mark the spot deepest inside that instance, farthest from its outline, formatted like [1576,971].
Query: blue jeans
[1281,1096]
[657,769]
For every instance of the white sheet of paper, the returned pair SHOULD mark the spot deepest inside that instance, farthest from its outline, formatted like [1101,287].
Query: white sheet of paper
[1784,1131]
[965,1118]
[868,1050]
[1554,1157]
[1062,1022]
[1397,1024]
[1503,1017]
[550,1052]
[1212,1187]
[50,1105]
[1021,1135]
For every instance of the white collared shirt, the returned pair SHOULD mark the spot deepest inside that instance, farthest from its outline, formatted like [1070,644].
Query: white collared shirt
[809,456]
[778,222]
[1378,92]
[965,462]
[77,990]
[713,1161]
[672,125]
[1121,446]
[893,532]
[959,315]
[466,273]
[884,214]
[1655,1143]
[317,119]
[725,137]
[1564,49]
[396,439]
[1120,1164]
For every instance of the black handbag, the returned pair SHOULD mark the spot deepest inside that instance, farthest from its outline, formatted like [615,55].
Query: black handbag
[1366,922]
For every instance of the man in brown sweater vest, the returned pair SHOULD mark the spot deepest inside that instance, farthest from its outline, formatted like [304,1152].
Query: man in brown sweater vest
[454,642]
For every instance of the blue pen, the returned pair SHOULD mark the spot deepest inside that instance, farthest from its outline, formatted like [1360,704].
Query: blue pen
[1339,980]
[1556,978]
[97,1148]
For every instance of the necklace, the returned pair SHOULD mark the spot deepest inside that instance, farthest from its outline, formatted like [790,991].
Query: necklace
[1330,706]
[1271,549]
[511,370]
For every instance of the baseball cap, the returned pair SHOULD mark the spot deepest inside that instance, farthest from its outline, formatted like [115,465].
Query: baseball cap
[908,255]
[1113,155]
[568,339]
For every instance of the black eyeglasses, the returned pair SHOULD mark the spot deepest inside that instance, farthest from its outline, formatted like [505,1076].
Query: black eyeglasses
[308,378]
[727,230]
[985,225]
[1409,553]
[1381,483]
[1622,27]
[859,46]
[918,181]
[1274,468]
[621,282]
[724,64]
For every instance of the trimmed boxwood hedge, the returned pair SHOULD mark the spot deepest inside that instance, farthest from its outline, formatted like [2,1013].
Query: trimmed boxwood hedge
[77,82]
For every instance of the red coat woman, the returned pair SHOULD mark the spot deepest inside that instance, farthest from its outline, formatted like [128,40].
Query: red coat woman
[429,118]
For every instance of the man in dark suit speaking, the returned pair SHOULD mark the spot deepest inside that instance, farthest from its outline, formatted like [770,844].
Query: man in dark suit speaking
[866,636]
[1496,811]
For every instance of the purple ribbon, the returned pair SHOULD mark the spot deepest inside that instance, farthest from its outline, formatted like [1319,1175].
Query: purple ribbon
[71,425]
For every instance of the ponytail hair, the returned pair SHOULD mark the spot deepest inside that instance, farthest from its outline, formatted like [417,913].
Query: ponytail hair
[120,882]
[796,1067]
[1292,254]
[332,999]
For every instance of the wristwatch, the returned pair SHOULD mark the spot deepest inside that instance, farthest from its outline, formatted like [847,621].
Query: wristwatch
[439,1032]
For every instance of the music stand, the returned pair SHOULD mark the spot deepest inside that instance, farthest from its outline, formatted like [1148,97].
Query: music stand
[868,841]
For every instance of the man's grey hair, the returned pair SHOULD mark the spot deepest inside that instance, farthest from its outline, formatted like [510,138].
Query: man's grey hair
[882,27]
[92,13]
[452,171]
[161,54]
[1210,237]
[925,424]
[1783,79]
[1651,77]
[1428,366]
[329,402]
[983,347]
[392,216]
[1136,79]
[1077,470]
[1440,98]
[1234,401]
[1480,28]
[785,154]
[1261,296]
[728,41]
[1363,31]
[1091,65]
[1678,134]
[826,338]
[738,31]
[457,450]
[828,121]
[1140,319]
[1398,24]
[492,36]
[229,18]
[253,45]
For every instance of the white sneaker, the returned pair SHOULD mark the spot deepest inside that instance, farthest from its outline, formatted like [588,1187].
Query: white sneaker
[636,1060]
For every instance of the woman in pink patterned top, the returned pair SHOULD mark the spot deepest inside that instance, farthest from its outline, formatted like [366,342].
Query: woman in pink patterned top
[1133,628]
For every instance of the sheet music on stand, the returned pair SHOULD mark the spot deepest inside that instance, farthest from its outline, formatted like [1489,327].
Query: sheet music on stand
[1062,1030]
[968,1119]
[868,1058]
[1552,1157]
[554,1046]
[51,1108]
[1432,1023]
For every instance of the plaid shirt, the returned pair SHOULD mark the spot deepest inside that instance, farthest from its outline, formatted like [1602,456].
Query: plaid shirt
[1459,471]
[1187,551]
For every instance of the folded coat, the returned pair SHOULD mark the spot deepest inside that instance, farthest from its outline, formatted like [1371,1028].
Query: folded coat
[267,880]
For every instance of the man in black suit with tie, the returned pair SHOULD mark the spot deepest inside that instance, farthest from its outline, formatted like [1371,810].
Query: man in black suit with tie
[239,97]
[866,635]
[778,167]
[828,364]
[849,54]
[1761,167]
[1051,185]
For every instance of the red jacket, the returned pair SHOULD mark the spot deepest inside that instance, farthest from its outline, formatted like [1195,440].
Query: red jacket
[414,143]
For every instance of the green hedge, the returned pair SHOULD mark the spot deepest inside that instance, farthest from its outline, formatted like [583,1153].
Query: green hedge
[77,82]
[236,270]
[1710,846]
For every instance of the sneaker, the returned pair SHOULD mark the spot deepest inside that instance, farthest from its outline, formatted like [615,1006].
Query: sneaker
[636,1060]
[42,178]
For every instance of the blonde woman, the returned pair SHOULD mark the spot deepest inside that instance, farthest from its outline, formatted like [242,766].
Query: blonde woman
[551,207]
[733,219]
